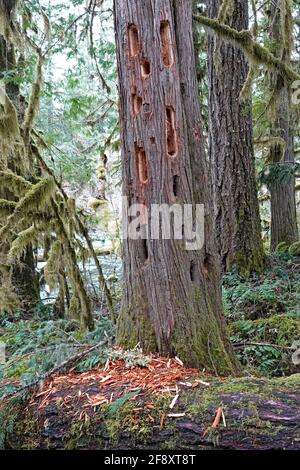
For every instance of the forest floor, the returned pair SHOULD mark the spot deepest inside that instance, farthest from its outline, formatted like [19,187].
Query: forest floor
[120,399]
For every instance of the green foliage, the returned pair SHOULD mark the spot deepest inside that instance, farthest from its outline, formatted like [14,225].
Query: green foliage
[275,292]
[282,247]
[277,174]
[116,405]
[294,249]
[34,347]
[278,330]
[265,309]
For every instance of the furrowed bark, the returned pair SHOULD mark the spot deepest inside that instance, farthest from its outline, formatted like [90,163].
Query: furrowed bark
[172,300]
[236,209]
[283,202]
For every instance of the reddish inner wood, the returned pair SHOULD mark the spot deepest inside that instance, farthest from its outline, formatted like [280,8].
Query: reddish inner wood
[166,44]
[171,133]
[133,40]
[142,165]
[136,104]
[145,68]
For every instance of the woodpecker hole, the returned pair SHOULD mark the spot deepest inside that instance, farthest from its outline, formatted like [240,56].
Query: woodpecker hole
[171,133]
[166,44]
[175,185]
[136,104]
[142,165]
[193,268]
[145,249]
[133,40]
[145,68]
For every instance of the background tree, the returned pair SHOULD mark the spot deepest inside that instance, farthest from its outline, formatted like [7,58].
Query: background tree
[231,152]
[171,300]
[282,155]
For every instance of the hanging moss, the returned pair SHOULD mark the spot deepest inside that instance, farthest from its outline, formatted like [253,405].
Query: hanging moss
[225,10]
[34,102]
[37,196]
[20,244]
[74,308]
[14,183]
[34,200]
[6,207]
[52,267]
[254,51]
[9,125]
[247,87]
[86,317]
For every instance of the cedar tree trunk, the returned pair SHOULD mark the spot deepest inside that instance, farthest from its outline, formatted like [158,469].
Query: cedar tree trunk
[172,297]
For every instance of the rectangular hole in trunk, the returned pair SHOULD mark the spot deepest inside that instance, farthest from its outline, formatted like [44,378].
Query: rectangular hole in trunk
[166,44]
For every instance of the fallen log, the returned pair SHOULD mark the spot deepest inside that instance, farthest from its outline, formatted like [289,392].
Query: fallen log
[243,413]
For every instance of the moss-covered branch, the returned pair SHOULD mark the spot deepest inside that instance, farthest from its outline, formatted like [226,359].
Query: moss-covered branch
[34,102]
[256,53]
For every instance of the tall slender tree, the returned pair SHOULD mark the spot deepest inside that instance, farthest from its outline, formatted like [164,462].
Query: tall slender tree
[283,204]
[172,298]
[236,209]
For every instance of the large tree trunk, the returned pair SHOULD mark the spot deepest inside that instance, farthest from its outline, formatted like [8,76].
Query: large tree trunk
[283,204]
[24,276]
[236,209]
[172,298]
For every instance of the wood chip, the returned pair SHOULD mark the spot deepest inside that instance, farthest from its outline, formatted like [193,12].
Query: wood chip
[176,415]
[217,419]
[206,384]
[224,420]
[173,402]
[179,361]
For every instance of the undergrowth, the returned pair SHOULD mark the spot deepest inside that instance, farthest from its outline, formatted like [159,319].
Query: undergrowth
[35,346]
[261,309]
[265,310]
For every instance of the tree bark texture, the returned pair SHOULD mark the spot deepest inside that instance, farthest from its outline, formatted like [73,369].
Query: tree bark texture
[236,209]
[172,299]
[283,202]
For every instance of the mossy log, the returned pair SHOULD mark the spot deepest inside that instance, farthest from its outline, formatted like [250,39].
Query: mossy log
[260,414]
